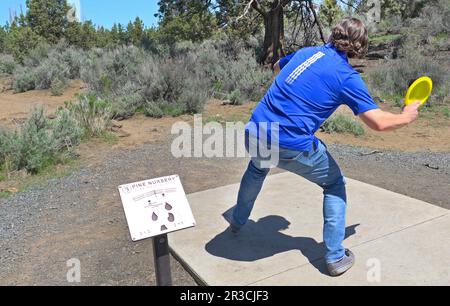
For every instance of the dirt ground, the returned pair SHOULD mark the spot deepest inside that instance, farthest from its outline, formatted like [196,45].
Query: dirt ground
[15,108]
[424,135]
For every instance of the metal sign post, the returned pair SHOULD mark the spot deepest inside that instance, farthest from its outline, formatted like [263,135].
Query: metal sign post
[162,261]
[153,209]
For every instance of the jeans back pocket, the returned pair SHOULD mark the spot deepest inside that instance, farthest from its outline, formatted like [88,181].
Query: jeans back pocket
[290,155]
[306,158]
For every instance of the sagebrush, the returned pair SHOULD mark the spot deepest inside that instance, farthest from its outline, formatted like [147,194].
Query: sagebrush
[343,124]
[40,142]
[393,79]
[7,64]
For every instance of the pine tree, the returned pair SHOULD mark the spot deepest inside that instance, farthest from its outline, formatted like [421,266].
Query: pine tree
[129,33]
[104,38]
[89,35]
[138,32]
[122,34]
[74,33]
[3,35]
[115,37]
[20,40]
[48,18]
[331,12]
[185,20]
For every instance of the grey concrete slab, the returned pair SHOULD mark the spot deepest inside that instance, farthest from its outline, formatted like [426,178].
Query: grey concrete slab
[419,255]
[285,232]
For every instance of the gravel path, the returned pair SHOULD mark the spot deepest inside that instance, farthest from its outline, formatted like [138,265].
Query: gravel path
[81,216]
[424,176]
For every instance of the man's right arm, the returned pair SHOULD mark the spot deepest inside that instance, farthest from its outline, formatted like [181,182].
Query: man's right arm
[384,121]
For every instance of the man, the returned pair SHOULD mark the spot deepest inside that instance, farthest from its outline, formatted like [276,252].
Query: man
[310,85]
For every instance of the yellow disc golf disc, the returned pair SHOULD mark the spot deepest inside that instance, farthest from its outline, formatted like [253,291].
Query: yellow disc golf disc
[420,91]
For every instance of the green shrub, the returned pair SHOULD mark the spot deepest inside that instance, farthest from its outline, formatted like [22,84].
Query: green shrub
[106,71]
[37,55]
[432,20]
[67,131]
[446,112]
[343,124]
[40,142]
[425,31]
[126,100]
[193,96]
[131,78]
[235,97]
[58,86]
[393,79]
[38,146]
[232,71]
[92,113]
[174,110]
[23,80]
[114,75]
[7,64]
[74,59]
[49,68]
[8,146]
[32,147]
[153,110]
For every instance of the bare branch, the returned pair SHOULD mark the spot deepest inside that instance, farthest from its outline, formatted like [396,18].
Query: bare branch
[355,7]
[316,20]
[256,6]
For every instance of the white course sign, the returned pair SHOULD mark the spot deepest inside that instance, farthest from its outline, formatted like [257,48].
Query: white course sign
[155,207]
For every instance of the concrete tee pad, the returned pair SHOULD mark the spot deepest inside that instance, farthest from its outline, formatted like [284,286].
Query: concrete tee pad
[397,240]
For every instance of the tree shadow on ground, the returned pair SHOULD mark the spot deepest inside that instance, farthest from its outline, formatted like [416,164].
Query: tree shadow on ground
[263,239]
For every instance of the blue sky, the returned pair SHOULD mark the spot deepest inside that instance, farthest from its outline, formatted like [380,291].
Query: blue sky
[101,12]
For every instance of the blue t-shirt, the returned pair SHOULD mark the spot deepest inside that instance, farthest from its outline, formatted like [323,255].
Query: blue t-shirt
[312,84]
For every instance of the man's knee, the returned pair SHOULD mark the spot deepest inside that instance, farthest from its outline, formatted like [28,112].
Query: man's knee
[255,169]
[336,185]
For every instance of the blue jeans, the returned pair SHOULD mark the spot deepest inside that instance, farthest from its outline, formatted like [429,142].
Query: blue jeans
[317,166]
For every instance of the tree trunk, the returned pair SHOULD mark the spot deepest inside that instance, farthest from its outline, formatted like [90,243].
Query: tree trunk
[273,47]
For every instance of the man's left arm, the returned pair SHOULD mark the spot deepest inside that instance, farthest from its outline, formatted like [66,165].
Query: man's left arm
[278,66]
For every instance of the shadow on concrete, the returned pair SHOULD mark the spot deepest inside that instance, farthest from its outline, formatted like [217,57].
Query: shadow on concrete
[263,239]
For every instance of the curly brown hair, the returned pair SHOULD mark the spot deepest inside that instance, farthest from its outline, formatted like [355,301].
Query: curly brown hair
[351,36]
